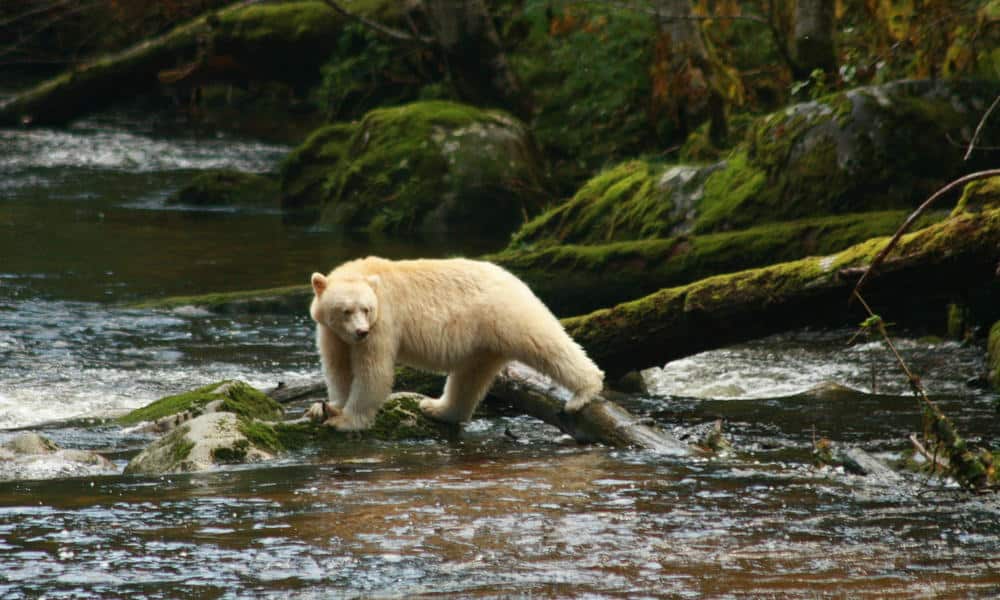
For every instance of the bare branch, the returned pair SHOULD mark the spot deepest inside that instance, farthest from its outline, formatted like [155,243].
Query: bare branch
[913,217]
[979,128]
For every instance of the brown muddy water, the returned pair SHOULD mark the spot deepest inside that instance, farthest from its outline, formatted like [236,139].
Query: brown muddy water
[511,509]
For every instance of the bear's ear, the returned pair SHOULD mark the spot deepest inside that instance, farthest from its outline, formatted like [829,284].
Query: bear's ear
[318,283]
[373,280]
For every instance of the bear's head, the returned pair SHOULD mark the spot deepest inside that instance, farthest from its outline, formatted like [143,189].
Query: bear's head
[347,305]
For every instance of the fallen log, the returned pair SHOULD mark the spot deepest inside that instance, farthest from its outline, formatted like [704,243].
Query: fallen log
[953,259]
[267,42]
[525,391]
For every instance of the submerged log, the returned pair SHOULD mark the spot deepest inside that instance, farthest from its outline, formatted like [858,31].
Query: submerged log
[933,266]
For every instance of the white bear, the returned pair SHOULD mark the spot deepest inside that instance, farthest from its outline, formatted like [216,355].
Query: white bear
[463,317]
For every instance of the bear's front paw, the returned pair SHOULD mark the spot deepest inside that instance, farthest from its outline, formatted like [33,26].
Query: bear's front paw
[322,411]
[342,422]
[438,409]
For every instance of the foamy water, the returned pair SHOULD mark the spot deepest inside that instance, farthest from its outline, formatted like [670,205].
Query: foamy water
[92,145]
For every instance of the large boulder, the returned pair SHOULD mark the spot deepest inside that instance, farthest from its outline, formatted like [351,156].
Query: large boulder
[203,443]
[871,148]
[421,167]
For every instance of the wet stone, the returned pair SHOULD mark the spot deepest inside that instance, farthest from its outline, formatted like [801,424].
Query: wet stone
[32,456]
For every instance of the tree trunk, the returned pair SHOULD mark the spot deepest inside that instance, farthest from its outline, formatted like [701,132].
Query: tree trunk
[474,55]
[691,94]
[813,38]
[955,258]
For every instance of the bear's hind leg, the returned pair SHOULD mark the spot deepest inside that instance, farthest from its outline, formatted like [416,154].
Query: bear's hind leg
[465,388]
[562,359]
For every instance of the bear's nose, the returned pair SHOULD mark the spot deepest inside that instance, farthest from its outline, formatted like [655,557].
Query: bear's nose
[361,333]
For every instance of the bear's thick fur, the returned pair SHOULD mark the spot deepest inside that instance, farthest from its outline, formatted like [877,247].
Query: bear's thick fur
[462,317]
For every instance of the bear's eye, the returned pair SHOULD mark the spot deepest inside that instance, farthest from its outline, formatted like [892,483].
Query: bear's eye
[347,311]
[365,310]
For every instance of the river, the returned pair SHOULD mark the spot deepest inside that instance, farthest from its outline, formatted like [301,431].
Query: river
[85,227]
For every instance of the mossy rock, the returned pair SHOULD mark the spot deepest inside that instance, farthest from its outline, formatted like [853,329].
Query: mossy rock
[422,167]
[226,396]
[29,455]
[869,149]
[227,187]
[993,356]
[631,201]
[203,443]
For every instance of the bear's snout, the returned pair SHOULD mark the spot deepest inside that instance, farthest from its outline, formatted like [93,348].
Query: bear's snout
[361,334]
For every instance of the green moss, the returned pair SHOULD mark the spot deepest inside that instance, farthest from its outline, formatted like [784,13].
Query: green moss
[179,444]
[261,434]
[979,195]
[421,382]
[993,355]
[424,166]
[399,419]
[236,397]
[631,201]
[249,402]
[235,454]
[957,321]
[729,193]
[402,419]
[306,172]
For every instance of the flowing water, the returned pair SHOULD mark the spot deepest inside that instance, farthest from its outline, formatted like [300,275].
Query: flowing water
[512,509]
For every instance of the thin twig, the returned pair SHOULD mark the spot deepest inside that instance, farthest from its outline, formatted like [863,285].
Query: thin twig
[913,217]
[915,383]
[979,128]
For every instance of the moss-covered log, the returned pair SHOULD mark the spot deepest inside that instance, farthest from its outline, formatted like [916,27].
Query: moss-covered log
[286,42]
[573,279]
[928,268]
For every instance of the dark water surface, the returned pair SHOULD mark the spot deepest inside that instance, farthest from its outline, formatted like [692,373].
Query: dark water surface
[83,227]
